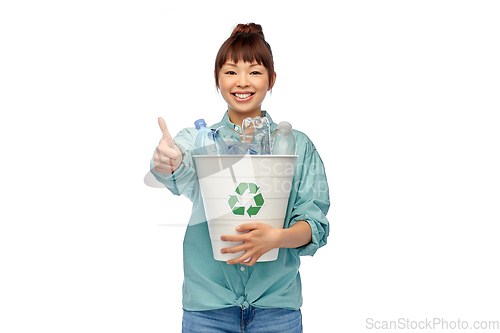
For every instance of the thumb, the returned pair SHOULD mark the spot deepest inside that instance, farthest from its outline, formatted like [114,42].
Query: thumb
[164,130]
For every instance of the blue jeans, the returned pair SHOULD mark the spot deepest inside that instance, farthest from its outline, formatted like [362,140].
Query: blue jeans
[237,320]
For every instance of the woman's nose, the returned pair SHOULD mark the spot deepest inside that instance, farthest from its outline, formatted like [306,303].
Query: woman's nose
[242,81]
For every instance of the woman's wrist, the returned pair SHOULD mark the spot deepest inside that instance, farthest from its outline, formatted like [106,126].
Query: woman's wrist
[297,235]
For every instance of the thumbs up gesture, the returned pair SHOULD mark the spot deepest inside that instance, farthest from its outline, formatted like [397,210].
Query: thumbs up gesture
[168,156]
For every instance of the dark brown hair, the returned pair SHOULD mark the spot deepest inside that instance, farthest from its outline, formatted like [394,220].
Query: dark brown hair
[246,43]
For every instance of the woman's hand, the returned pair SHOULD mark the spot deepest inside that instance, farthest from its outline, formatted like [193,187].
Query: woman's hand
[259,239]
[168,156]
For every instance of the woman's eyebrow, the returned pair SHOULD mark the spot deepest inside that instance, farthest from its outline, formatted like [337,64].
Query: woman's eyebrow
[234,65]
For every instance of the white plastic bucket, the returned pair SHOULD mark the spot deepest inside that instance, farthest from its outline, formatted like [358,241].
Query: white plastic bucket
[243,188]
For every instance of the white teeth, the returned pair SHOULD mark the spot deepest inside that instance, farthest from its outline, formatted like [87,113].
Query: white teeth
[242,95]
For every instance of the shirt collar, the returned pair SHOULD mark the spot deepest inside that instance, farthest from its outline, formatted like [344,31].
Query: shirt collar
[225,121]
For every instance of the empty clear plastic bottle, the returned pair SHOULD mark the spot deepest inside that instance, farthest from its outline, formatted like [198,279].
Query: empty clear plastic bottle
[283,140]
[208,142]
[256,135]
[232,139]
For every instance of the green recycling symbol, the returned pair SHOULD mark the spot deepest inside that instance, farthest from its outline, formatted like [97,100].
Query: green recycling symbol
[235,200]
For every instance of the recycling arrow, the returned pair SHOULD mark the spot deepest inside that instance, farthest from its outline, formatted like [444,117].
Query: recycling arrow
[242,190]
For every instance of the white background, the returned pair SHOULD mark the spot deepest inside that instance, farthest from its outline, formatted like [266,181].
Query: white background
[401,99]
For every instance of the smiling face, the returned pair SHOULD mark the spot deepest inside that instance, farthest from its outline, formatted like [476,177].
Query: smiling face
[243,86]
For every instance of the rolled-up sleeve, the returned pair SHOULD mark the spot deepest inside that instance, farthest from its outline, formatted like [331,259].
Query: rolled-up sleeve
[311,200]
[181,181]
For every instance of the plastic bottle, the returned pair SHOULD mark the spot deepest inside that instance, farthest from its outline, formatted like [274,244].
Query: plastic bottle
[283,140]
[256,135]
[232,139]
[208,142]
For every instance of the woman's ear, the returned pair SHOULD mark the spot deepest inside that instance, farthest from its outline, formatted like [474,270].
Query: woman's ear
[272,82]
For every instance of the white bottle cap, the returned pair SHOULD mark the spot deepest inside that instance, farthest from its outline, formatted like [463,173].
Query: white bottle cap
[285,126]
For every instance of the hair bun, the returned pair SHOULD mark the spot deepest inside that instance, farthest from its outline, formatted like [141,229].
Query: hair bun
[249,28]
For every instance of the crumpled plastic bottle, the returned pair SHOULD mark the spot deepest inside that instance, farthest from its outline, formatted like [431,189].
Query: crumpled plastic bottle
[233,140]
[256,135]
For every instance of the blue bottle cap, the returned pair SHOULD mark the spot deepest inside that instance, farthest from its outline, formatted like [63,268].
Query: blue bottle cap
[200,123]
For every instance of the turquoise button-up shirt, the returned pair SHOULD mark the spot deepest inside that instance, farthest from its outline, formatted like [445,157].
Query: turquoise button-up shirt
[210,284]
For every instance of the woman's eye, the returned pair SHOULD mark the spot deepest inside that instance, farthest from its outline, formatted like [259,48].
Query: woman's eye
[230,72]
[255,73]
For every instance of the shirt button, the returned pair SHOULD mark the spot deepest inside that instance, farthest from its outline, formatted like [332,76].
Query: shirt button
[242,268]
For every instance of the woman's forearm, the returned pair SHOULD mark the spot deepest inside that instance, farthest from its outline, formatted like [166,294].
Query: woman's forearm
[297,235]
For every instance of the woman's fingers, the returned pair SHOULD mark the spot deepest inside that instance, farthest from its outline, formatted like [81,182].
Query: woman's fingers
[235,249]
[168,156]
[248,255]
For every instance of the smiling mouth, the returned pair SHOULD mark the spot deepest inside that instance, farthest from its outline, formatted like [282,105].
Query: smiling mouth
[242,96]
